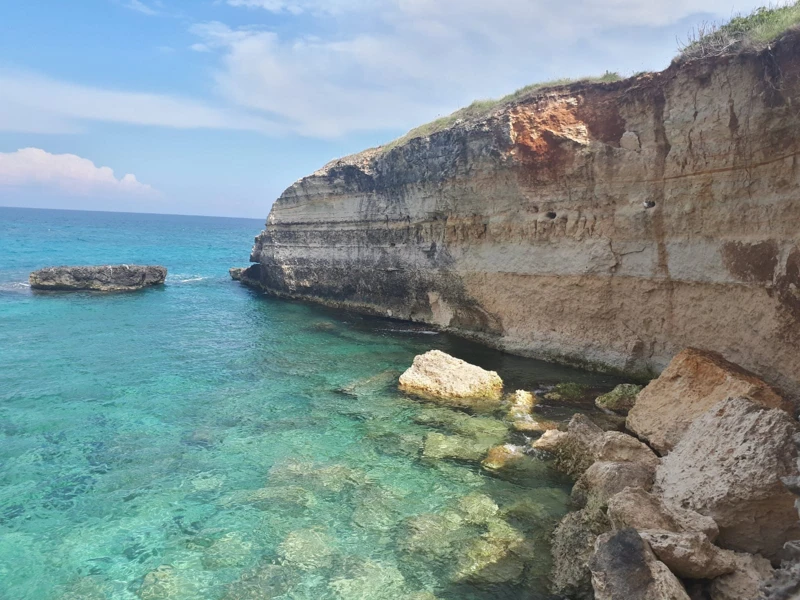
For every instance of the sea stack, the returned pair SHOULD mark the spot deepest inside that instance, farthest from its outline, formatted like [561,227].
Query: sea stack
[106,278]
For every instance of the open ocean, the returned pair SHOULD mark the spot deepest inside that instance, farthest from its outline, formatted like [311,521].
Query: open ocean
[202,440]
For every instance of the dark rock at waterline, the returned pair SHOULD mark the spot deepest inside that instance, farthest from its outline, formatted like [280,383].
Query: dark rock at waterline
[106,278]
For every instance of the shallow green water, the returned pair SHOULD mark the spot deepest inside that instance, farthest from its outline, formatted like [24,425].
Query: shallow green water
[204,441]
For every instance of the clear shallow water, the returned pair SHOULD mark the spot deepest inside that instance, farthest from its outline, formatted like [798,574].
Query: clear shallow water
[204,441]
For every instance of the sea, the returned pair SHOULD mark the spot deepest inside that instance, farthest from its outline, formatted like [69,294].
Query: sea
[201,440]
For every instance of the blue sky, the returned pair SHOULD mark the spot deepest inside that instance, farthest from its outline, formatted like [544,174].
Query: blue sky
[215,106]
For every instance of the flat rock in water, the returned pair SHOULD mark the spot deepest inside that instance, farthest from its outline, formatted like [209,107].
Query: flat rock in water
[441,377]
[107,278]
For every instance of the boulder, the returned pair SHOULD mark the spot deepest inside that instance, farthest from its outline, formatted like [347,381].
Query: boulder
[689,555]
[635,507]
[693,382]
[624,566]
[619,400]
[745,581]
[728,466]
[603,480]
[441,377]
[108,278]
[236,273]
[572,549]
[307,549]
[576,449]
[456,447]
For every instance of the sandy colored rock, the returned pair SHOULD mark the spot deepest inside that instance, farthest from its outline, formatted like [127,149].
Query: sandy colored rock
[439,376]
[236,273]
[574,450]
[572,549]
[689,555]
[456,447]
[624,566]
[691,241]
[507,456]
[621,447]
[694,381]
[745,582]
[603,480]
[635,507]
[107,278]
[619,400]
[728,466]
[307,549]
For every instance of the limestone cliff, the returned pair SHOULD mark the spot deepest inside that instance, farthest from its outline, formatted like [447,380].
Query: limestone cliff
[609,225]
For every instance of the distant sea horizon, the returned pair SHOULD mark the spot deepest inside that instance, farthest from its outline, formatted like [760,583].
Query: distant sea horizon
[128,212]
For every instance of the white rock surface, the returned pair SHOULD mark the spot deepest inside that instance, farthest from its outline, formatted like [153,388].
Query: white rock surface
[439,376]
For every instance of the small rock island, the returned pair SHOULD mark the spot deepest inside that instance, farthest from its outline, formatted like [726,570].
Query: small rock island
[106,278]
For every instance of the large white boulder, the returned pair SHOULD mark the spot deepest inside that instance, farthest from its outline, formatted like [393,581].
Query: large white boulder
[439,376]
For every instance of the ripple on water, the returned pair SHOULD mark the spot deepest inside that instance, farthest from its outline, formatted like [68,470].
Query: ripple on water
[203,441]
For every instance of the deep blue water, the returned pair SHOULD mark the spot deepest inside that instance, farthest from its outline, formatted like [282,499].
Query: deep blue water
[204,441]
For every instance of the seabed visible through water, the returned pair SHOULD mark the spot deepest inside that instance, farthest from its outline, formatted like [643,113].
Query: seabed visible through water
[205,441]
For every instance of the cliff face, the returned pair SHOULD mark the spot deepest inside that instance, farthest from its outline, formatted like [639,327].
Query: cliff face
[609,225]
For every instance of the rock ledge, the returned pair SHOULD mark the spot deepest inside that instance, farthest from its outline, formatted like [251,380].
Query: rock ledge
[106,278]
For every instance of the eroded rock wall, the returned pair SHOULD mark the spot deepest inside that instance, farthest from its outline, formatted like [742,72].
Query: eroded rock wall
[608,225]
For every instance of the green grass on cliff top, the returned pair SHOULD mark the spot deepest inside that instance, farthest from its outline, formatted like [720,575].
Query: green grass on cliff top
[480,108]
[754,31]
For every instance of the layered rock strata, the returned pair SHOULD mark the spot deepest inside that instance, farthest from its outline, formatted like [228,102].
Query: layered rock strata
[608,225]
[108,278]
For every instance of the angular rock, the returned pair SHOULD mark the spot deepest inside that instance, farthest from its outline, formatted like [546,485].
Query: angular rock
[689,555]
[439,376]
[621,447]
[619,400]
[693,383]
[456,447]
[307,549]
[635,507]
[574,450]
[728,466]
[624,566]
[236,273]
[603,480]
[572,549]
[107,278]
[745,582]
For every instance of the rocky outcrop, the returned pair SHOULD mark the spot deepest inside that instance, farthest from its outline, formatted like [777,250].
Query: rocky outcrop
[607,225]
[624,566]
[236,273]
[689,555]
[108,278]
[619,400]
[693,382]
[729,466]
[441,377]
[745,582]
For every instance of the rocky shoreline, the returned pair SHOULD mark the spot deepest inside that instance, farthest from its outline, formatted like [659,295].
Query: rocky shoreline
[710,515]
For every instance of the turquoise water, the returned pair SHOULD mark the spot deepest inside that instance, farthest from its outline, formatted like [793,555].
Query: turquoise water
[204,441]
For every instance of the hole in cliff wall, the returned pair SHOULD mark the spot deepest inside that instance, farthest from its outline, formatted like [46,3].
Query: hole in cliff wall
[550,215]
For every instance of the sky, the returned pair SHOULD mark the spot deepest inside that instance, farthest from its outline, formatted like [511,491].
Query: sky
[214,107]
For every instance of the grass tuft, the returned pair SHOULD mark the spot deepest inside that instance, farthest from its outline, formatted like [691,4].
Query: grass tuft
[753,31]
[481,108]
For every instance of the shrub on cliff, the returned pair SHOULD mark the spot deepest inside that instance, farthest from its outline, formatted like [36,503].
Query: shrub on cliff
[756,31]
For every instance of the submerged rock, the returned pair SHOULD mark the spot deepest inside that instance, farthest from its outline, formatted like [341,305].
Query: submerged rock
[307,549]
[263,582]
[372,580]
[108,278]
[231,550]
[570,392]
[619,400]
[456,447]
[441,377]
[692,384]
[728,466]
[624,566]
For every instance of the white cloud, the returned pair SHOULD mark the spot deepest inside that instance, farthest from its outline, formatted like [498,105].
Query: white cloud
[387,64]
[141,7]
[34,167]
[35,104]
